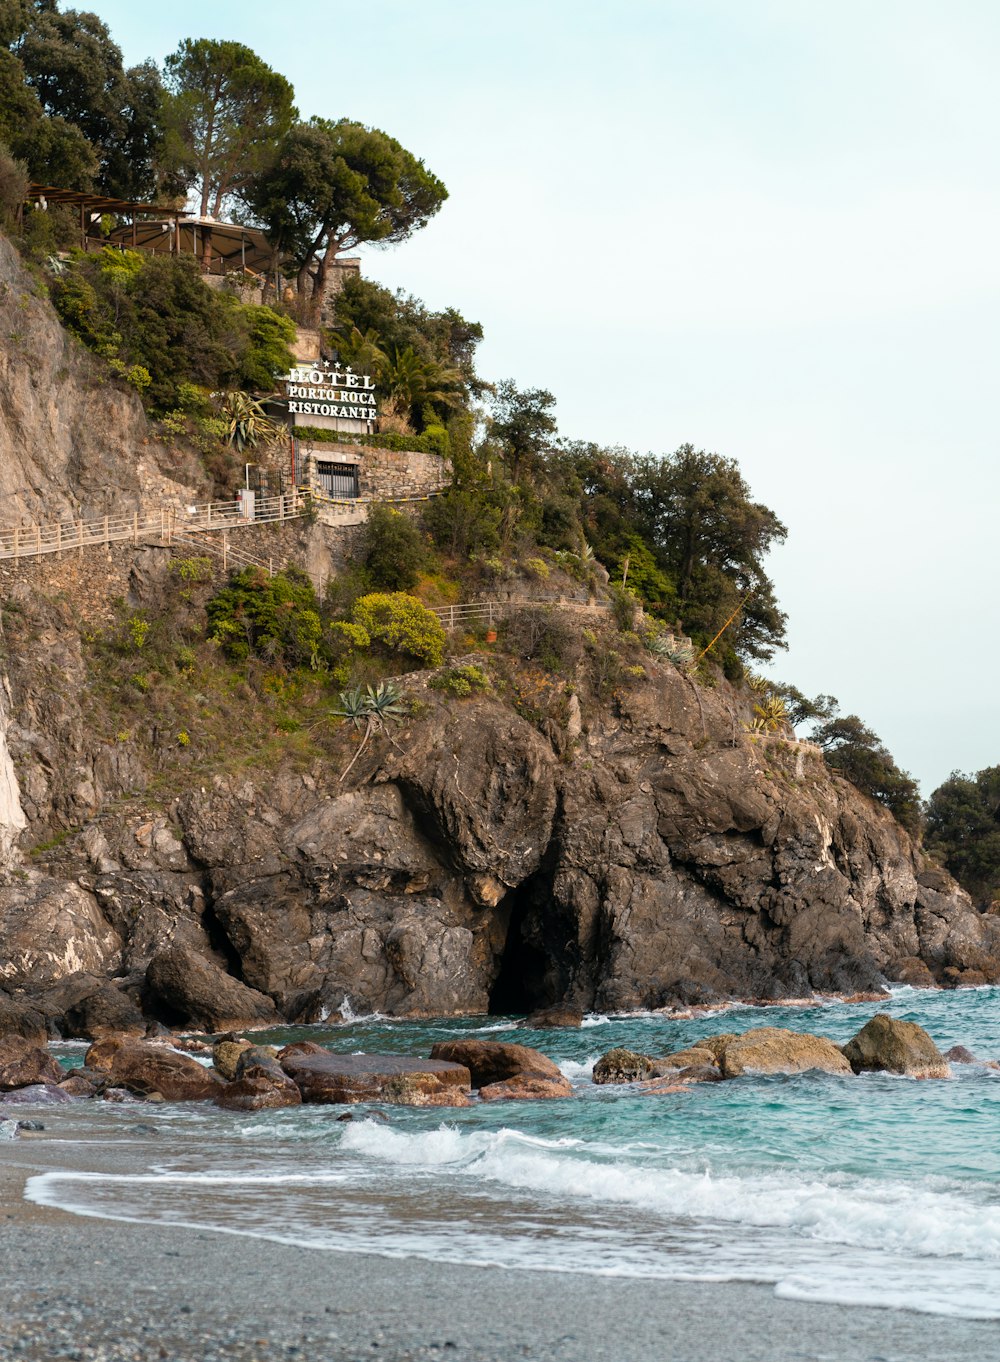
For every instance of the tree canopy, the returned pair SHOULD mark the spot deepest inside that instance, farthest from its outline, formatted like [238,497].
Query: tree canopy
[69,108]
[336,185]
[963,830]
[860,755]
[225,113]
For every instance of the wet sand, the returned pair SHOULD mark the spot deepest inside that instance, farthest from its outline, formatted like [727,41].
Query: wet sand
[104,1291]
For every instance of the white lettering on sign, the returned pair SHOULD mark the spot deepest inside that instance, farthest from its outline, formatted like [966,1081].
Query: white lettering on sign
[339,393]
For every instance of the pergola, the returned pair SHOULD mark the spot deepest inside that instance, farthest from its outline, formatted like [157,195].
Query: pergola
[90,206]
[152,227]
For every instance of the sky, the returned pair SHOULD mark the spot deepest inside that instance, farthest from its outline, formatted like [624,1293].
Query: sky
[770,228]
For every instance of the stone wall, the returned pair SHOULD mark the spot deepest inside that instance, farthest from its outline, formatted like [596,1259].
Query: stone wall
[384,474]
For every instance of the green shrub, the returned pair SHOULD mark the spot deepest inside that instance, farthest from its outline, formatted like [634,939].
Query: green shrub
[401,623]
[462,523]
[276,618]
[392,549]
[462,681]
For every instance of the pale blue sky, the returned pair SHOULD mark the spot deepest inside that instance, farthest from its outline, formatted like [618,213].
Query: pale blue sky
[768,227]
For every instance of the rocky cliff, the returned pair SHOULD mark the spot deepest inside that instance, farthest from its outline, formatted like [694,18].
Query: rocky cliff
[634,848]
[74,442]
[647,852]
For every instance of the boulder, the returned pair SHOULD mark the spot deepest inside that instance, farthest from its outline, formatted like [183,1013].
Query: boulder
[149,1066]
[526,1087]
[262,1058]
[693,1056]
[197,990]
[622,1066]
[772,1050]
[496,1062]
[958,1054]
[22,1019]
[225,1054]
[886,1045]
[260,1083]
[78,1084]
[301,1047]
[106,1011]
[560,1014]
[910,969]
[22,1064]
[698,1073]
[377,1078]
[35,1093]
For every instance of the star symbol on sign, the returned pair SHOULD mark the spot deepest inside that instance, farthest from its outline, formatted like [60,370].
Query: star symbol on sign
[348,370]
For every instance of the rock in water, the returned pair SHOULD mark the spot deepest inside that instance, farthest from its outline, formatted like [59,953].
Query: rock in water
[34,1093]
[377,1078]
[695,1056]
[896,1047]
[23,1064]
[198,990]
[147,1066]
[527,1087]
[496,1062]
[622,1066]
[560,1014]
[226,1054]
[771,1050]
[958,1054]
[260,1083]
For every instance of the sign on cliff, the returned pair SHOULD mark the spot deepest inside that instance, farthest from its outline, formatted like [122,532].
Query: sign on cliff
[337,393]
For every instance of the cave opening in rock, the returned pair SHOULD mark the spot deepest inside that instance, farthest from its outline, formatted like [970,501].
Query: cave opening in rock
[524,979]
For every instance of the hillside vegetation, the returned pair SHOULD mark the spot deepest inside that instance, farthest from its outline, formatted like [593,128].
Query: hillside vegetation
[676,543]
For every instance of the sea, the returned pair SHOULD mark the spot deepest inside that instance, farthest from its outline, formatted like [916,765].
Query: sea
[873,1190]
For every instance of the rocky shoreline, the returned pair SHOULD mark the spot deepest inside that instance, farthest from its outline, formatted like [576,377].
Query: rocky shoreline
[243,1076]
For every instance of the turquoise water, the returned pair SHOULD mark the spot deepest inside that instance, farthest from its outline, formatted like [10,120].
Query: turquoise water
[870,1190]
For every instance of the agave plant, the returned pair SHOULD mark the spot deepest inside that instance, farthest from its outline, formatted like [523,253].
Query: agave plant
[769,714]
[372,710]
[247,424]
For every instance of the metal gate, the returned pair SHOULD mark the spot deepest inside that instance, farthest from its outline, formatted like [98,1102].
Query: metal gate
[338,479]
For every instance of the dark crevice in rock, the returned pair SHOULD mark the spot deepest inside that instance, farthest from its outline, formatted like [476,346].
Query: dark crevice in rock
[219,939]
[520,985]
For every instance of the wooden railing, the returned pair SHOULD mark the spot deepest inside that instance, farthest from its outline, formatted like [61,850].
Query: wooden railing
[490,612]
[170,522]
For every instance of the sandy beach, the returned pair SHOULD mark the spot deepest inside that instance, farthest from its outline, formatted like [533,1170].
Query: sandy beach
[103,1291]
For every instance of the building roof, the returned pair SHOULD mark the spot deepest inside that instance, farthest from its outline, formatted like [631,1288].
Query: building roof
[95,203]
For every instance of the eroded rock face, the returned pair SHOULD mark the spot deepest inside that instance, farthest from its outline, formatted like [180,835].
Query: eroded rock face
[199,993]
[898,1047]
[51,930]
[660,860]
